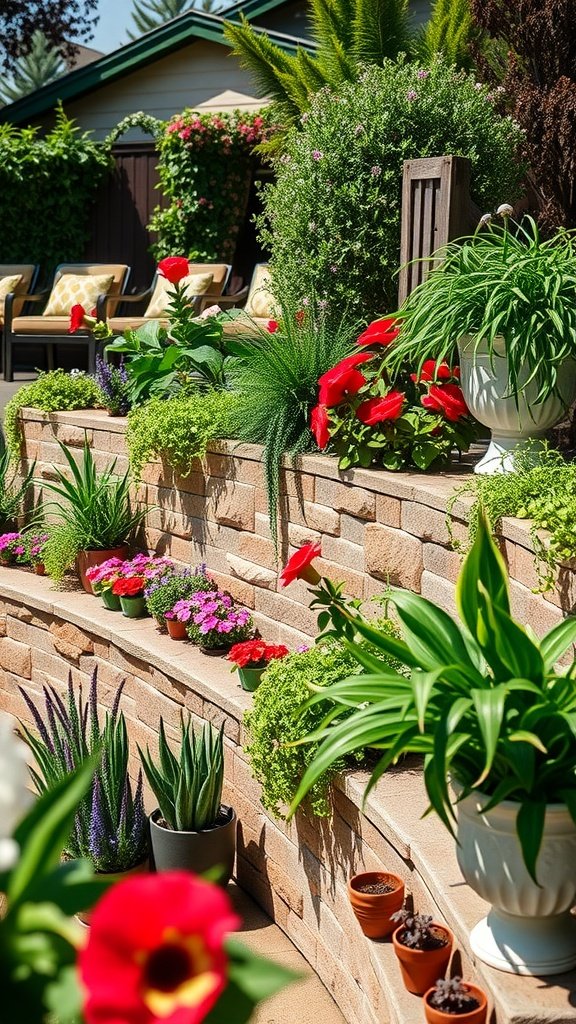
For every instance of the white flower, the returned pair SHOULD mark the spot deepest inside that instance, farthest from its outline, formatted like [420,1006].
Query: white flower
[505,210]
[485,218]
[14,793]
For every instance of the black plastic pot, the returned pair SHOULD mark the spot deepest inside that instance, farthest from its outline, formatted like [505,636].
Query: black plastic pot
[195,851]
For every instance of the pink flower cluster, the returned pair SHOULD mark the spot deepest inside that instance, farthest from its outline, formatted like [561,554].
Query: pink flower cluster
[211,612]
[12,544]
[104,575]
[200,129]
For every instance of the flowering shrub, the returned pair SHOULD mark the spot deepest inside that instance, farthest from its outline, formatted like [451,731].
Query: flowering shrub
[332,218]
[163,592]
[35,546]
[205,169]
[113,383]
[212,619]
[13,548]
[255,654]
[369,416]
[149,567]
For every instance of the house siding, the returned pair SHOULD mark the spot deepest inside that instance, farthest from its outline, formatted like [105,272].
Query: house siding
[202,76]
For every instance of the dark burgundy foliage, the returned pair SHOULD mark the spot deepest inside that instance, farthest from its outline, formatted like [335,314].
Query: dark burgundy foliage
[60,21]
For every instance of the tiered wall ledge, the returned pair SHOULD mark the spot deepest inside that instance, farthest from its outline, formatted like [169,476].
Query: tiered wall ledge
[374,527]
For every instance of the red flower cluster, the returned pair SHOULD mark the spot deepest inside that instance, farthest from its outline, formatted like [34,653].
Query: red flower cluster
[431,370]
[342,380]
[447,399]
[154,951]
[174,268]
[380,332]
[377,410]
[299,566]
[256,653]
[272,326]
[129,586]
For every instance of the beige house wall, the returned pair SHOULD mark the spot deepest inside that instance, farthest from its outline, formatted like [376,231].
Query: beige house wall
[203,75]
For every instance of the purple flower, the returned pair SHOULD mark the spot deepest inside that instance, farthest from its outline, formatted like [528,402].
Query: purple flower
[411,95]
[317,154]
[376,171]
[422,74]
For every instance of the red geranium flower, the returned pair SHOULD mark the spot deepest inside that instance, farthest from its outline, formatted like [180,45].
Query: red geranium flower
[77,314]
[255,653]
[299,566]
[272,326]
[174,268]
[319,424]
[431,370]
[129,586]
[343,379]
[447,399]
[376,410]
[155,951]
[380,332]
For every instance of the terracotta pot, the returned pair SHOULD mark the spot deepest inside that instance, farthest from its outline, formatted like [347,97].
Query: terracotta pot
[86,559]
[177,630]
[421,968]
[374,910]
[39,568]
[477,1016]
[139,869]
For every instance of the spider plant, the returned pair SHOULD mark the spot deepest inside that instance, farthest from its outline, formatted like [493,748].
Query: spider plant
[485,703]
[276,379]
[93,512]
[503,287]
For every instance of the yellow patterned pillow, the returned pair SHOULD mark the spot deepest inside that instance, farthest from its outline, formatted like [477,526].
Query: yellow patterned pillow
[7,285]
[194,284]
[73,289]
[261,301]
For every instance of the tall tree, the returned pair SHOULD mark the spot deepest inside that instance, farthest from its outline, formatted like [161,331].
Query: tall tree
[536,41]
[347,34]
[38,67]
[59,21]
[149,14]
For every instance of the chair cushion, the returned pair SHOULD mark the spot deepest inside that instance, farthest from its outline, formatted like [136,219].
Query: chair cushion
[119,324]
[41,325]
[194,284]
[260,301]
[7,285]
[72,289]
[245,325]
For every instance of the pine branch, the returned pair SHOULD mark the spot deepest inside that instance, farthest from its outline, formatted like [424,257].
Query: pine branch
[381,29]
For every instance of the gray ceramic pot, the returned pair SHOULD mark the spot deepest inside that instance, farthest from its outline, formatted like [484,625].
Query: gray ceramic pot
[195,851]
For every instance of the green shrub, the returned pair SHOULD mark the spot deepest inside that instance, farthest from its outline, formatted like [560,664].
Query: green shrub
[57,391]
[274,721]
[47,187]
[332,218]
[162,594]
[177,429]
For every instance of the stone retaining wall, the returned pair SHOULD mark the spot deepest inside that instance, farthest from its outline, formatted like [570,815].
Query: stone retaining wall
[296,871]
[374,526]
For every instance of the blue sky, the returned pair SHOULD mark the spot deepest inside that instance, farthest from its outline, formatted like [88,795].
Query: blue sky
[115,18]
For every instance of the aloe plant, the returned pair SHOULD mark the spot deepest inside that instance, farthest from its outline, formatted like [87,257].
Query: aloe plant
[485,702]
[188,788]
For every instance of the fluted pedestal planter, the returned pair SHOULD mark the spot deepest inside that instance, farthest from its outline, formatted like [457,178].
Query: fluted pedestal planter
[529,929]
[514,421]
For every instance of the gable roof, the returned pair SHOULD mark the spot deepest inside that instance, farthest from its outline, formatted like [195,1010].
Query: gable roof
[253,8]
[153,46]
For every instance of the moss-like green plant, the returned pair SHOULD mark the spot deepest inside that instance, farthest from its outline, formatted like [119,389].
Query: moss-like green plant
[177,429]
[56,391]
[273,722]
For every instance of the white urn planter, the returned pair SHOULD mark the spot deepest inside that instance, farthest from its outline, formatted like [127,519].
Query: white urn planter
[529,928]
[513,420]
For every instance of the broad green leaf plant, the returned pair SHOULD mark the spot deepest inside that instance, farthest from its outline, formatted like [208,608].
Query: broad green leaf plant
[485,702]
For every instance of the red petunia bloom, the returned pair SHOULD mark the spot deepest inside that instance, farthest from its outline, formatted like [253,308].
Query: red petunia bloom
[154,953]
[272,326]
[256,653]
[342,380]
[77,314]
[299,566]
[319,425]
[376,410]
[447,399]
[380,332]
[129,586]
[431,370]
[174,268]
[300,317]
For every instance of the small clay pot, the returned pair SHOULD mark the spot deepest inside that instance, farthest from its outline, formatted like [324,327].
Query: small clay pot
[109,600]
[477,1016]
[421,968]
[374,910]
[39,568]
[133,607]
[177,630]
[250,678]
[87,559]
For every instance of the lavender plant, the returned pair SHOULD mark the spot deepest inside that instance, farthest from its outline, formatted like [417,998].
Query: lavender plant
[451,995]
[162,593]
[110,827]
[113,383]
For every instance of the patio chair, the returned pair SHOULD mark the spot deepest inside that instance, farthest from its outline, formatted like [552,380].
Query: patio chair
[16,279]
[256,301]
[93,285]
[205,285]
